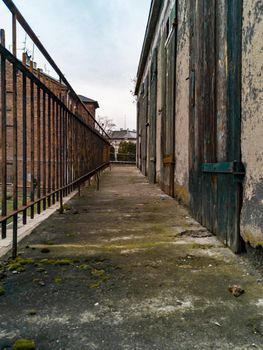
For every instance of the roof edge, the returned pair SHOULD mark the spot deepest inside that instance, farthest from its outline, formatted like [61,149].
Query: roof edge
[149,33]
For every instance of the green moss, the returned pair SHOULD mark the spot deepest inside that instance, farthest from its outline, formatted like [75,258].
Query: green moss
[71,235]
[58,262]
[2,291]
[98,273]
[84,267]
[18,264]
[63,262]
[94,285]
[24,344]
[67,206]
[20,269]
[40,269]
[13,266]
[23,261]
[58,280]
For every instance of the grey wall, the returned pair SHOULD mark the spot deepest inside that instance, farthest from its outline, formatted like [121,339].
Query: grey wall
[252,122]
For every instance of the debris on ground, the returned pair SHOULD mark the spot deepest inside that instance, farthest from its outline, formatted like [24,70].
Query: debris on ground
[236,290]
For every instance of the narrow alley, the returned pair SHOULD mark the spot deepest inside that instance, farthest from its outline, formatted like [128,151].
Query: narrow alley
[126,267]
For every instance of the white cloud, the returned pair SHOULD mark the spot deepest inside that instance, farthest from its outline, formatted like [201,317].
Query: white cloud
[96,44]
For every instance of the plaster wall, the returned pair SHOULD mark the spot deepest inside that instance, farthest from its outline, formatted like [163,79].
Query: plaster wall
[252,122]
[182,105]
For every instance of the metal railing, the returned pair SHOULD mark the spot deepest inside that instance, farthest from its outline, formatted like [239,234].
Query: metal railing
[49,142]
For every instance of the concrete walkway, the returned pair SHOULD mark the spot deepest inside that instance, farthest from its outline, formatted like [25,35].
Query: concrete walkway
[126,268]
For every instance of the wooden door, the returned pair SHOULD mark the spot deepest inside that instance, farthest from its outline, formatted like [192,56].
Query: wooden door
[215,159]
[168,102]
[152,119]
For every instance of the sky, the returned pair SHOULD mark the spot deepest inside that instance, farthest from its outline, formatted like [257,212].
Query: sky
[95,43]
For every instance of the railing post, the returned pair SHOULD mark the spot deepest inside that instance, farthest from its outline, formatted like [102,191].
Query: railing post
[61,201]
[98,182]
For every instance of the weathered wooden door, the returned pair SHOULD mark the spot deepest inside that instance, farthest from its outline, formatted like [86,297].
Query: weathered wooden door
[215,158]
[143,129]
[152,119]
[168,102]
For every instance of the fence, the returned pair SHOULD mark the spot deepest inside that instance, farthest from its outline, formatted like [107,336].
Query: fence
[50,143]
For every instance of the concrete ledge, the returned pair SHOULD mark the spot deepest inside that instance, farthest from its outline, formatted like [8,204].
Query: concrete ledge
[25,230]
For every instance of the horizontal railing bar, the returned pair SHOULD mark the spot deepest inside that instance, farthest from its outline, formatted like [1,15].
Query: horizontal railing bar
[30,204]
[14,10]
[19,65]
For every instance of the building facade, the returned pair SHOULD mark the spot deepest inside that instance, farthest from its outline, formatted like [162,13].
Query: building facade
[117,136]
[199,115]
[90,104]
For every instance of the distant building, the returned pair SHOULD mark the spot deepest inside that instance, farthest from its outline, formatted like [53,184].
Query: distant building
[90,104]
[117,136]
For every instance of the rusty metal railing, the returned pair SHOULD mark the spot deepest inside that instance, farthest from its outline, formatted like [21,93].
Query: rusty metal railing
[49,142]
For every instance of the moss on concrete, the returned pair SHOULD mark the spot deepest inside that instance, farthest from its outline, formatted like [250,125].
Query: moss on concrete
[24,344]
[94,285]
[2,291]
[58,262]
[58,280]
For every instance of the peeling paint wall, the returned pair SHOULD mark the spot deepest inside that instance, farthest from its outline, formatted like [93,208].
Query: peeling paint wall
[252,122]
[182,104]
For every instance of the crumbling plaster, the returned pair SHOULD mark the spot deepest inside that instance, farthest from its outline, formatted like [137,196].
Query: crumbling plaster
[252,122]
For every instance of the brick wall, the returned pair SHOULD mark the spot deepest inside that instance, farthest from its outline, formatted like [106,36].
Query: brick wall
[61,92]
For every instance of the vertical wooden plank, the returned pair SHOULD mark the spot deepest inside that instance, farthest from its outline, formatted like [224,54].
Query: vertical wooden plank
[199,111]
[152,119]
[234,37]
[3,135]
[222,209]
[210,180]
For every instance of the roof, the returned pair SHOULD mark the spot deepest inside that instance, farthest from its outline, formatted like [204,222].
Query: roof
[85,99]
[155,8]
[123,134]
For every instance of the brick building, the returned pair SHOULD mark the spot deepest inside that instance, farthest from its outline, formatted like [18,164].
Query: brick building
[90,104]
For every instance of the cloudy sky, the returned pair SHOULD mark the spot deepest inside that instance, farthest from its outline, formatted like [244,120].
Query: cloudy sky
[96,44]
